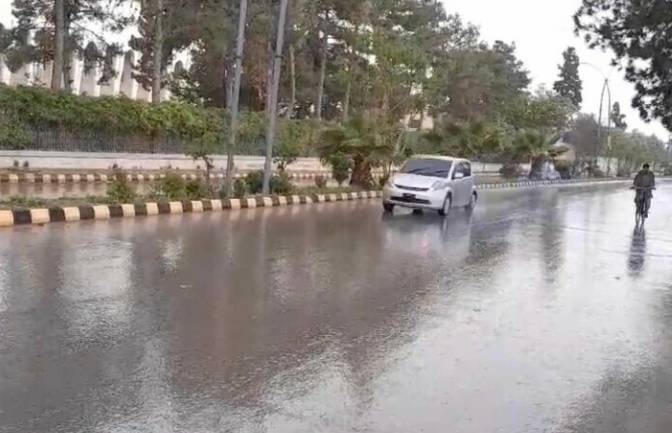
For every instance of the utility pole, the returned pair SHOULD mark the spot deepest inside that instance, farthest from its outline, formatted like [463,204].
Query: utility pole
[273,100]
[235,97]
[605,89]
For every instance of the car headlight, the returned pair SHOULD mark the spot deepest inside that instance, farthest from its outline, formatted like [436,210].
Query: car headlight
[439,184]
[390,183]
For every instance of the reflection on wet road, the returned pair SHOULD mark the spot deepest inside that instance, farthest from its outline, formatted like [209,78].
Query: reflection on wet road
[541,312]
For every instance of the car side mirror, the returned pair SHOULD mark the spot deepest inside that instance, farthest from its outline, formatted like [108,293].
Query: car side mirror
[458,175]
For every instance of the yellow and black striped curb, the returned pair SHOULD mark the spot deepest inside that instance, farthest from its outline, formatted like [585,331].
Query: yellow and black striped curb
[106,212]
[53,178]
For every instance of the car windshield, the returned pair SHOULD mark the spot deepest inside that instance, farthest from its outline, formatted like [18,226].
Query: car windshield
[427,167]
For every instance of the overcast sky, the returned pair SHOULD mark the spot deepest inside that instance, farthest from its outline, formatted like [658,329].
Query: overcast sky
[541,30]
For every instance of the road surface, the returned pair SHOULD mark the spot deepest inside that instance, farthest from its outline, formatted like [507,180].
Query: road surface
[540,312]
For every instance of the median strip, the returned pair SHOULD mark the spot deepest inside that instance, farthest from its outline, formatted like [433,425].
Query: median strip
[53,214]
[105,212]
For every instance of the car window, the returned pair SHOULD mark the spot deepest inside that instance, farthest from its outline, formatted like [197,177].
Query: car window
[427,167]
[466,169]
[459,168]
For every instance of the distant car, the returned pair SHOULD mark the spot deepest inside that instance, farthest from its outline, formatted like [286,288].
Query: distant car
[431,182]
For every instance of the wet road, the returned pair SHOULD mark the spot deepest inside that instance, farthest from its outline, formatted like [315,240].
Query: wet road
[541,312]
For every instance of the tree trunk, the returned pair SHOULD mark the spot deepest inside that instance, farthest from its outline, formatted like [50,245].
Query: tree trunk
[346,101]
[235,97]
[67,56]
[361,173]
[273,111]
[59,45]
[323,71]
[292,72]
[157,60]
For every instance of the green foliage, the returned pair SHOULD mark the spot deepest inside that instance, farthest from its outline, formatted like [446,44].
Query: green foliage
[171,187]
[340,166]
[569,85]
[280,183]
[320,181]
[511,170]
[196,190]
[618,118]
[39,109]
[13,135]
[639,34]
[119,190]
[254,181]
[239,188]
[366,141]
[294,138]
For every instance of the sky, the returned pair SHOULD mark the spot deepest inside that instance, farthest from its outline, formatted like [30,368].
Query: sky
[541,30]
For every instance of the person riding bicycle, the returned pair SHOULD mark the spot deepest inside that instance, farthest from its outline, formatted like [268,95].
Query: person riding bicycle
[645,183]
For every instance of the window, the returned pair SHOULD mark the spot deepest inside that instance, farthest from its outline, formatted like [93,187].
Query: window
[427,167]
[466,169]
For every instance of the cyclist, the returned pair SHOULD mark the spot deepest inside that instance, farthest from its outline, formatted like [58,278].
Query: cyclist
[645,183]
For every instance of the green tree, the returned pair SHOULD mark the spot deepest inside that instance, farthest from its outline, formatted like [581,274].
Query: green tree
[640,35]
[368,142]
[570,85]
[618,118]
[163,27]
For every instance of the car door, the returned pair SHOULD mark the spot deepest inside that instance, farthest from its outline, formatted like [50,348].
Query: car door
[458,185]
[467,182]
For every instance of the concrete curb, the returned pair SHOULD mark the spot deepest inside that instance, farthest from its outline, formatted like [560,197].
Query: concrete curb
[105,212]
[59,178]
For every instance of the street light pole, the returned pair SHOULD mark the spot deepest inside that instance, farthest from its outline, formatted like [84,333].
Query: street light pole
[606,89]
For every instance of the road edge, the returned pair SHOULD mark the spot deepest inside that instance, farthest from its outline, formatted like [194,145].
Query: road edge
[41,216]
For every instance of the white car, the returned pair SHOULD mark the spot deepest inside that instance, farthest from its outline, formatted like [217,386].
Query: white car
[431,182]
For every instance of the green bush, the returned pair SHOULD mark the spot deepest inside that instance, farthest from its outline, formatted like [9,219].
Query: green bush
[511,170]
[340,167]
[41,109]
[320,181]
[196,189]
[280,183]
[13,135]
[119,191]
[239,188]
[171,187]
[254,182]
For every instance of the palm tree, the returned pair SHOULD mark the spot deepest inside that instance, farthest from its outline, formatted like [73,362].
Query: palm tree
[536,146]
[367,141]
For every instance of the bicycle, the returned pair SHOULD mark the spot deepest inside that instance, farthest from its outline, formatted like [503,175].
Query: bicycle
[642,205]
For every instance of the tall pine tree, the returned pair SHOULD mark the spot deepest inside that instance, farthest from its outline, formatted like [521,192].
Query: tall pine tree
[569,85]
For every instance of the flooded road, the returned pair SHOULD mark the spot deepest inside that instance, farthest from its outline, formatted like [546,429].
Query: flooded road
[541,312]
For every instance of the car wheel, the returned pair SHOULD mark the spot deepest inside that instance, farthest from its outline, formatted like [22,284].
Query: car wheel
[389,207]
[446,206]
[473,201]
